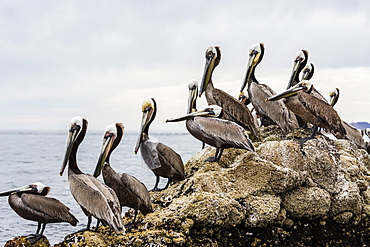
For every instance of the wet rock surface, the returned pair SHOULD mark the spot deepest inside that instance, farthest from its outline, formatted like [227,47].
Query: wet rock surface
[284,194]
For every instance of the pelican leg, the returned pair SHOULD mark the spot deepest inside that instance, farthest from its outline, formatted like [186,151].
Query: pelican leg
[35,237]
[132,224]
[88,223]
[216,157]
[87,226]
[168,184]
[312,136]
[43,229]
[156,184]
[38,227]
[220,151]
[97,225]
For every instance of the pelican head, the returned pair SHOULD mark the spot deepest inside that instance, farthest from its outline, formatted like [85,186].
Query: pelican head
[77,131]
[299,62]
[213,57]
[304,86]
[367,132]
[334,96]
[209,111]
[35,188]
[193,94]
[308,71]
[149,110]
[256,53]
[244,99]
[112,137]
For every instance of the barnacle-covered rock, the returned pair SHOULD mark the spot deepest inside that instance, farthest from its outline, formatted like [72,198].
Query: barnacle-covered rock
[285,194]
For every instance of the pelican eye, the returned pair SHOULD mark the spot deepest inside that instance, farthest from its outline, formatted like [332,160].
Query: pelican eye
[210,54]
[147,109]
[108,134]
[252,53]
[75,127]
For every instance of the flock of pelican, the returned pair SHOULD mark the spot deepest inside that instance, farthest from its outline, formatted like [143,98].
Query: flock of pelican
[226,122]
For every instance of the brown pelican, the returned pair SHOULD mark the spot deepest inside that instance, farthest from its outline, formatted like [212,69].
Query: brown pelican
[95,198]
[265,121]
[233,109]
[352,133]
[220,133]
[161,159]
[300,62]
[130,191]
[257,93]
[312,110]
[30,202]
[307,74]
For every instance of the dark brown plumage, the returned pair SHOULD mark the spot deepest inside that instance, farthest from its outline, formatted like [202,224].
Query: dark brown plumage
[206,126]
[130,191]
[95,198]
[233,109]
[161,159]
[30,202]
[310,108]
[257,93]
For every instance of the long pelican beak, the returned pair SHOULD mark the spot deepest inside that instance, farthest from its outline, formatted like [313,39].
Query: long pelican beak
[207,112]
[288,93]
[253,60]
[192,98]
[142,127]
[106,147]
[297,63]
[72,136]
[21,189]
[208,69]
[147,114]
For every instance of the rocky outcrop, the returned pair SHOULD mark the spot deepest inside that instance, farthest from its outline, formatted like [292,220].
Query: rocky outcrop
[283,194]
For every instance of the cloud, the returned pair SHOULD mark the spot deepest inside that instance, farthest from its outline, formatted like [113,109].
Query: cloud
[102,59]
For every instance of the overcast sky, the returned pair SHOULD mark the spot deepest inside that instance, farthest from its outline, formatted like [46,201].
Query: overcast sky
[101,59]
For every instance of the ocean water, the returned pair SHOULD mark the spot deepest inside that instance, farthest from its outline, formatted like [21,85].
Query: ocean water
[36,156]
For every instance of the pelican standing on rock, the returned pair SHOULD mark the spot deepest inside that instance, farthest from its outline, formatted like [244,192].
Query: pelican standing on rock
[312,110]
[352,133]
[233,109]
[130,191]
[95,198]
[257,93]
[30,202]
[206,127]
[161,159]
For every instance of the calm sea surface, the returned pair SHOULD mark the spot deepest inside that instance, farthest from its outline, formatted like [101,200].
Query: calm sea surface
[28,157]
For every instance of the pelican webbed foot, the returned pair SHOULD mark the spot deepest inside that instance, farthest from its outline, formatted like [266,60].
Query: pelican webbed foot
[312,136]
[211,159]
[304,139]
[33,238]
[157,182]
[217,156]
[130,225]
[155,189]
